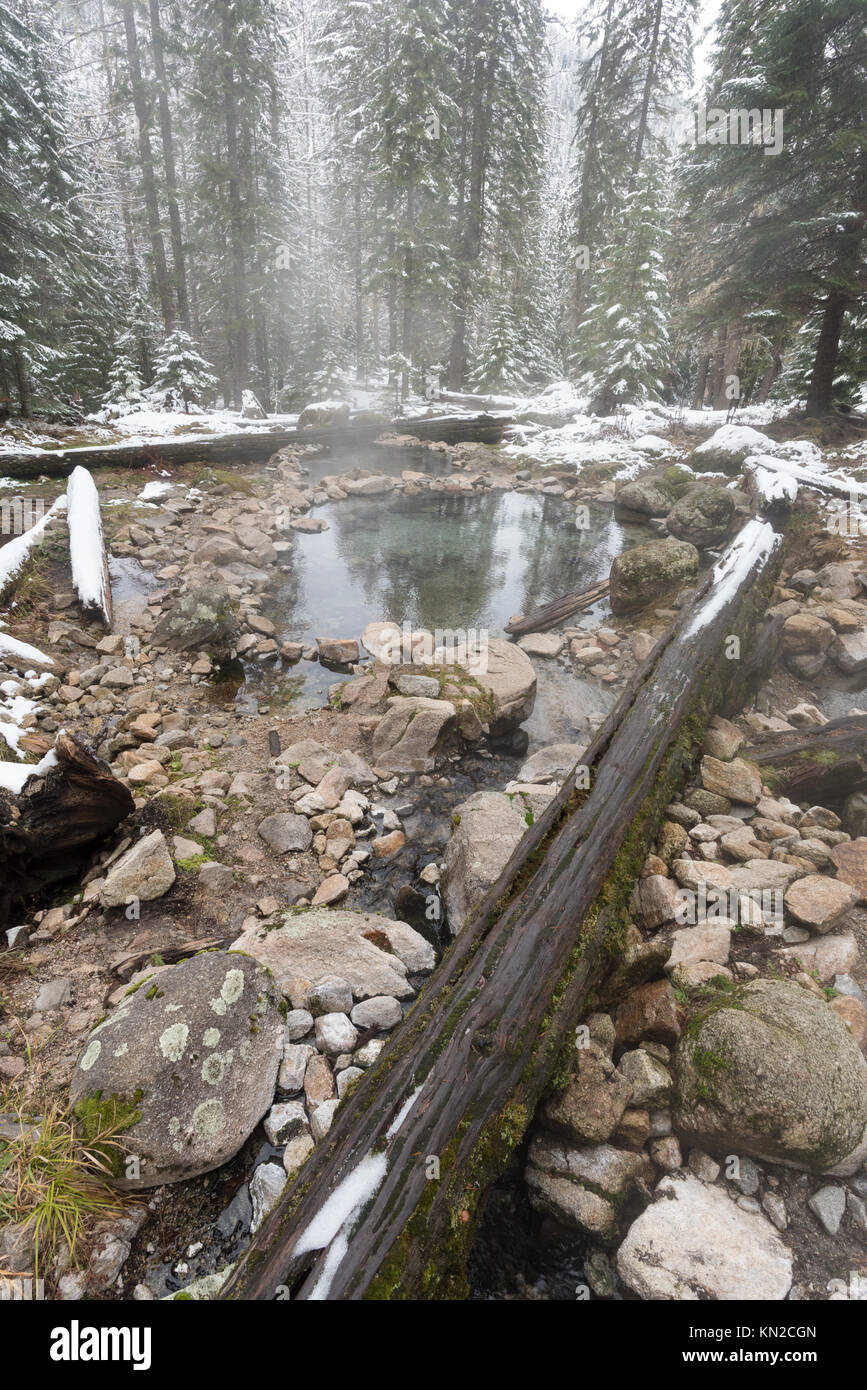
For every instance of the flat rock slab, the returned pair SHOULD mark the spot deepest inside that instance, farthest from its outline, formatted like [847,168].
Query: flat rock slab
[819,903]
[551,764]
[486,829]
[192,1058]
[373,954]
[406,737]
[694,1243]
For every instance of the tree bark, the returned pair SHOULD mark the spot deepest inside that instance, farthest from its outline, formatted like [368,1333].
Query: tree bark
[61,815]
[820,393]
[460,1079]
[822,765]
[149,187]
[168,143]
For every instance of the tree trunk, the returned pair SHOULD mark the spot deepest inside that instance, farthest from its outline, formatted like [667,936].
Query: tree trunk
[149,187]
[239,332]
[460,1079]
[820,394]
[822,765]
[252,443]
[167,138]
[61,814]
[650,78]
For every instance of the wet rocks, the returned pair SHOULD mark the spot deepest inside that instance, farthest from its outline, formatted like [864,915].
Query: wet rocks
[647,572]
[486,828]
[337,650]
[694,1243]
[771,1071]
[581,1187]
[187,1065]
[507,680]
[551,764]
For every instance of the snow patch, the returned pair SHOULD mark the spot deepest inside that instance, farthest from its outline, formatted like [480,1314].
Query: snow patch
[86,546]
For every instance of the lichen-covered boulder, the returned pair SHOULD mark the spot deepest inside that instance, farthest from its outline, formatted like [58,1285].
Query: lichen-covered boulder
[199,621]
[770,1070]
[646,572]
[704,516]
[185,1066]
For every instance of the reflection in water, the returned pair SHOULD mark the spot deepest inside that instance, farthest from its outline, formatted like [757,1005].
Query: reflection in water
[438,561]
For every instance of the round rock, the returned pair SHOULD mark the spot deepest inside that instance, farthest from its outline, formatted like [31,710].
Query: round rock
[187,1064]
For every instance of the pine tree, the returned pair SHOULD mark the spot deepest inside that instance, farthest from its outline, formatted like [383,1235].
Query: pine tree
[623,346]
[181,373]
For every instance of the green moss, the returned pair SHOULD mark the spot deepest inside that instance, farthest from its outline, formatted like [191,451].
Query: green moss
[99,1115]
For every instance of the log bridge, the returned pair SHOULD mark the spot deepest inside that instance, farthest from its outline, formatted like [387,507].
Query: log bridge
[369,1215]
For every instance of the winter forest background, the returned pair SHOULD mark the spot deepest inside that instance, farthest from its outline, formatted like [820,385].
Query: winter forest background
[292,196]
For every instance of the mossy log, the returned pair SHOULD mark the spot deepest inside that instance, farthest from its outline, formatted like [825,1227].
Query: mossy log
[822,765]
[397,1187]
[247,445]
[47,831]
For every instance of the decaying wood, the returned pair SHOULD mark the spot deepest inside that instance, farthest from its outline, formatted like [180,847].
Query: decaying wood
[550,614]
[127,965]
[60,815]
[235,449]
[821,765]
[460,1079]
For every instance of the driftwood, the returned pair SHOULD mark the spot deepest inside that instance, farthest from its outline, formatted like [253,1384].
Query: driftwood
[552,613]
[397,1186]
[240,448]
[61,814]
[821,765]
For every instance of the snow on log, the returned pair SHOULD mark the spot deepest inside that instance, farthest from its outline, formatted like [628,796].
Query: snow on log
[15,553]
[838,485]
[87,546]
[774,491]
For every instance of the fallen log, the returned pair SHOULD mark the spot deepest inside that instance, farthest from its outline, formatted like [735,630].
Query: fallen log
[90,577]
[552,613]
[387,1205]
[821,765]
[15,554]
[247,445]
[72,801]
